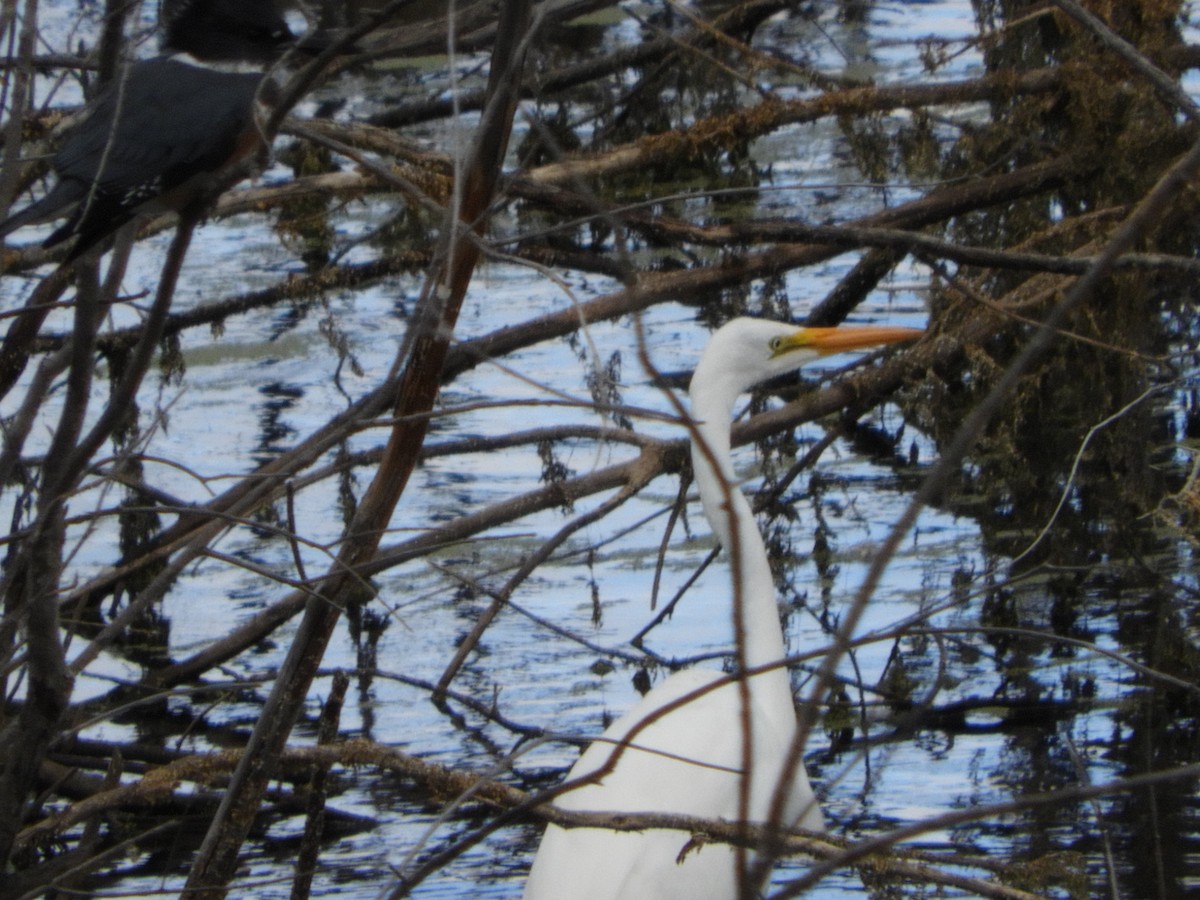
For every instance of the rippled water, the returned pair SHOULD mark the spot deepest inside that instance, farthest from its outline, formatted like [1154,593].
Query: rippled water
[270,378]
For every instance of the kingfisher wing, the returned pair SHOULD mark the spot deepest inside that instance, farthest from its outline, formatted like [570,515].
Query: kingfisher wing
[156,126]
[161,125]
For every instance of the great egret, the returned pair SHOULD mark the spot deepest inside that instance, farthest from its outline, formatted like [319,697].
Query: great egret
[691,759]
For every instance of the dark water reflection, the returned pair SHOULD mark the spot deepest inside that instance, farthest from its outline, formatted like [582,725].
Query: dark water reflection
[1072,525]
[1073,482]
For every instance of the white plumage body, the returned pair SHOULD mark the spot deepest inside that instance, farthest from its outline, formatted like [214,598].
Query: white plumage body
[695,758]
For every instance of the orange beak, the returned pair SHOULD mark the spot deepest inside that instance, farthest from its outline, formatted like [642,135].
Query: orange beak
[838,340]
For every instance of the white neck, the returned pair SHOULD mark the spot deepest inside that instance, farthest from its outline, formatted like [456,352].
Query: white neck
[229,66]
[725,506]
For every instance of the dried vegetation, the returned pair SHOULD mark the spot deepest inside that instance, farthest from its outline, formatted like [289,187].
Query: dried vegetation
[1055,182]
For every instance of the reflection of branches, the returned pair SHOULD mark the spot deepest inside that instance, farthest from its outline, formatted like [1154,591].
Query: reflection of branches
[639,478]
[562,215]
[30,583]
[419,363]
[161,788]
[1077,459]
[864,849]
[1141,219]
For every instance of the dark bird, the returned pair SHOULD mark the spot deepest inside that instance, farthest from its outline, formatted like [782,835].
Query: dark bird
[166,132]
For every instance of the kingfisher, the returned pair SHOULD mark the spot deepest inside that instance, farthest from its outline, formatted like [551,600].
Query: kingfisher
[166,133]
